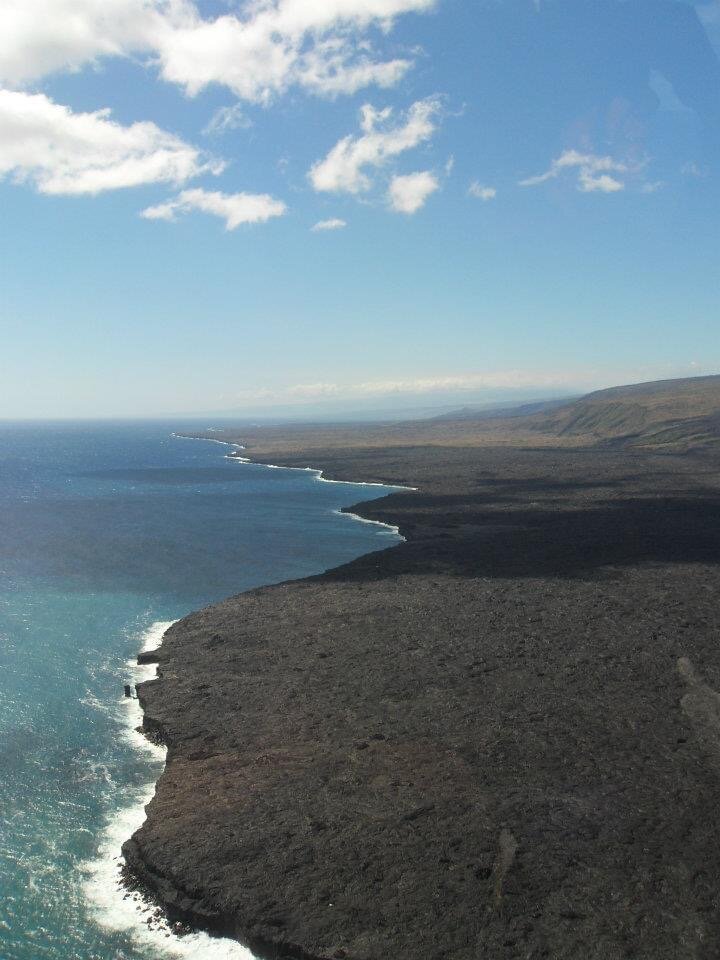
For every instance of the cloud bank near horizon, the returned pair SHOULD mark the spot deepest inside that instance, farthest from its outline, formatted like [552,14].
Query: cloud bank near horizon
[461,387]
[437,387]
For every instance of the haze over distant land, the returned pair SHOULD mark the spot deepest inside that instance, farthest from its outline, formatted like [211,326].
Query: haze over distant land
[666,416]
[223,208]
[399,406]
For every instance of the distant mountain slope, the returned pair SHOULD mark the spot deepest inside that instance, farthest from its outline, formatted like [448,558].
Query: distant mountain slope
[500,411]
[677,414]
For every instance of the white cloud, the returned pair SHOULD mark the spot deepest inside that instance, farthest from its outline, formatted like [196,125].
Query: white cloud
[258,53]
[334,224]
[408,194]
[281,43]
[343,169]
[42,36]
[593,172]
[476,189]
[335,67]
[62,152]
[234,208]
[599,184]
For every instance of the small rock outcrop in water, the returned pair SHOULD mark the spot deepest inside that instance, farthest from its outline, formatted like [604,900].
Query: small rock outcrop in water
[497,740]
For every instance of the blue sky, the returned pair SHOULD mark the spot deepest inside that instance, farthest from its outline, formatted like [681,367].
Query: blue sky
[279,203]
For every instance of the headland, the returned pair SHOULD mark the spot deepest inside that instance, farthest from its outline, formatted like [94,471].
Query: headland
[499,739]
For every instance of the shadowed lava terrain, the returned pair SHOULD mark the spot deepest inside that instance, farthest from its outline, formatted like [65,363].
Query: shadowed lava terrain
[500,739]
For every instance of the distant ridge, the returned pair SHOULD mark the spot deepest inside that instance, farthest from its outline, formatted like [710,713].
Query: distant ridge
[670,414]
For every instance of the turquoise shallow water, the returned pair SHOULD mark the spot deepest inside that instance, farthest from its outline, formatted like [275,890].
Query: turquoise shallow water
[107,533]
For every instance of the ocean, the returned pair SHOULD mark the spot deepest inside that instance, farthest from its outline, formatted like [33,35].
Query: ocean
[109,533]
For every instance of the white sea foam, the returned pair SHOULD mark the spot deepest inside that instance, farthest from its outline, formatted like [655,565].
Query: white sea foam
[112,906]
[362,483]
[227,443]
[391,528]
[318,473]
[131,713]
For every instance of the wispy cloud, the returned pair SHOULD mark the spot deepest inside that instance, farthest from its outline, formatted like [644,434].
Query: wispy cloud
[344,169]
[323,225]
[692,169]
[666,93]
[427,385]
[476,189]
[595,174]
[653,186]
[227,118]
[409,193]
[234,208]
[709,14]
[61,152]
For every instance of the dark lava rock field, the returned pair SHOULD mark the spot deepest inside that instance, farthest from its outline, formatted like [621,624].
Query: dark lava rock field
[499,740]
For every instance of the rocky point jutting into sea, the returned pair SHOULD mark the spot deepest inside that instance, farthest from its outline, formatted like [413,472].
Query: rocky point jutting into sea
[499,739]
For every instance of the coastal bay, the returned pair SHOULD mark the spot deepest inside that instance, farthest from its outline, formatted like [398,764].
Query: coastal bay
[496,739]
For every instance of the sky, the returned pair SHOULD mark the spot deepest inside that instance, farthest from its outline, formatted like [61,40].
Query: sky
[251,205]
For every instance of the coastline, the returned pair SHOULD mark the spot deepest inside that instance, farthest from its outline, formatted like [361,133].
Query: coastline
[448,667]
[113,906]
[346,511]
[131,908]
[318,475]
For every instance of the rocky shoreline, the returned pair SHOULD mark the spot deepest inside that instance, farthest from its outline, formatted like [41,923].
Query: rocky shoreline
[498,739]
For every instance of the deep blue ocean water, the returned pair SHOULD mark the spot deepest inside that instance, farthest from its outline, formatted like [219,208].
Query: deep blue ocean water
[107,534]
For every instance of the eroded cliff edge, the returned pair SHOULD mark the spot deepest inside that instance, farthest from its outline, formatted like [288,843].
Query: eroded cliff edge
[485,742]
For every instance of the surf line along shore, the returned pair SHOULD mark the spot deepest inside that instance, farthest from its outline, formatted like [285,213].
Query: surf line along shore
[149,657]
[317,473]
[112,906]
[471,744]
